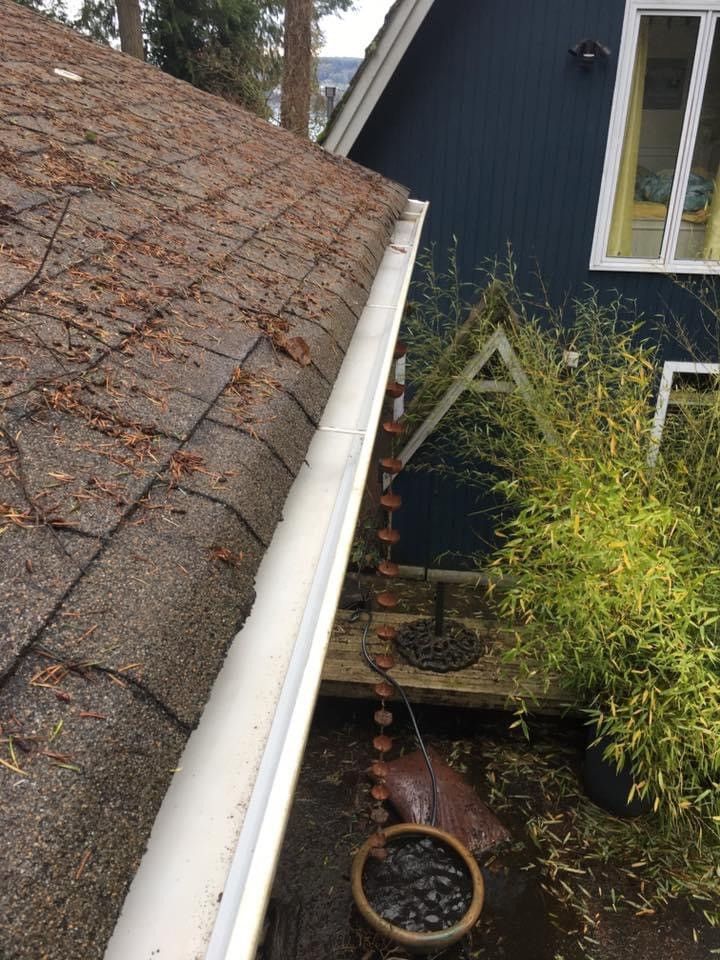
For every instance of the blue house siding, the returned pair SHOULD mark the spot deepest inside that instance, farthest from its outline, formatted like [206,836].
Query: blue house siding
[442,522]
[491,120]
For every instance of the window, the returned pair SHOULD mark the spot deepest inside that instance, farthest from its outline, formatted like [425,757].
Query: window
[660,198]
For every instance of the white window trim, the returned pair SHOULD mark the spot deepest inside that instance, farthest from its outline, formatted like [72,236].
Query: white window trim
[670,368]
[708,11]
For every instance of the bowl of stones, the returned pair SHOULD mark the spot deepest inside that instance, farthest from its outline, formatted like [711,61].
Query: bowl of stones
[424,893]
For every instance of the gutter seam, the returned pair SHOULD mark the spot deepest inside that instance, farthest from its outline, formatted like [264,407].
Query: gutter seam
[238,924]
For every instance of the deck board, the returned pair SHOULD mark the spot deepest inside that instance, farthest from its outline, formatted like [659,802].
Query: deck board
[490,683]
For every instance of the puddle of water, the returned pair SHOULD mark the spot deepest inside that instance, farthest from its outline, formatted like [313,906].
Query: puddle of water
[515,921]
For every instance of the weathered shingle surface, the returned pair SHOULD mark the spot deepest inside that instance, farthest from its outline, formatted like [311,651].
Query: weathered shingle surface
[156,402]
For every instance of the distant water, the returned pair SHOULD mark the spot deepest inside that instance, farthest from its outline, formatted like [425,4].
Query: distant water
[331,72]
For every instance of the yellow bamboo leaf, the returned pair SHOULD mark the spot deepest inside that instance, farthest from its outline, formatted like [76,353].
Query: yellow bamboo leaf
[12,766]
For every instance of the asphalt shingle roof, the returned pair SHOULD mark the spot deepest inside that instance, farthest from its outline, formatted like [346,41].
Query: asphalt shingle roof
[160,381]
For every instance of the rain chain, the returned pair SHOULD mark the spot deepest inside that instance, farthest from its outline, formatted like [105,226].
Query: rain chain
[387,599]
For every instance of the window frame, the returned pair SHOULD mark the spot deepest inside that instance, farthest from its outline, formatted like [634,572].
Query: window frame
[664,398]
[708,13]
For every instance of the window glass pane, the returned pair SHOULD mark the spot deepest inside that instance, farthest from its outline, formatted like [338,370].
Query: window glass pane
[699,237]
[663,65]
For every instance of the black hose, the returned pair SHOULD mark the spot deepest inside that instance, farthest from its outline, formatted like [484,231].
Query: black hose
[386,676]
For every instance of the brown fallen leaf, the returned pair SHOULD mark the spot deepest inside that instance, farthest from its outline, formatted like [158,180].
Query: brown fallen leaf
[227,556]
[294,347]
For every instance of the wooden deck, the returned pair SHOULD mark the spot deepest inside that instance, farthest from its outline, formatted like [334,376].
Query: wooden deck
[489,684]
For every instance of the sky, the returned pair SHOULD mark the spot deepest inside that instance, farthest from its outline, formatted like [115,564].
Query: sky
[348,34]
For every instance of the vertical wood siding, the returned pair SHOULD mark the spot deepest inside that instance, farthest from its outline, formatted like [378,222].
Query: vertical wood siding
[491,120]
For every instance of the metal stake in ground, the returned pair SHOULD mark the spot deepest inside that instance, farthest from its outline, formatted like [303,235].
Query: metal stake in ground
[439,608]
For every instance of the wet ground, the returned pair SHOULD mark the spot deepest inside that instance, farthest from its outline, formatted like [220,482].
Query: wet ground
[547,896]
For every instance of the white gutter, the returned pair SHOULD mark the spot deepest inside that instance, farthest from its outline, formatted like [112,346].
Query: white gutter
[377,72]
[203,884]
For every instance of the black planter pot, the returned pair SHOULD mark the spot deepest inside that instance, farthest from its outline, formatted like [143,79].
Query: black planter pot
[606,786]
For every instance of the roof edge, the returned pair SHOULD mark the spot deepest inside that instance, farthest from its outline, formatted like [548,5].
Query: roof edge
[375,72]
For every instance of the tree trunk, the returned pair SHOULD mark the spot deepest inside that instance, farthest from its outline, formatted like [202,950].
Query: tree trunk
[130,25]
[297,67]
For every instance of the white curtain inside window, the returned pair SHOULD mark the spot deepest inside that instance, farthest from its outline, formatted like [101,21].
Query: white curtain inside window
[621,225]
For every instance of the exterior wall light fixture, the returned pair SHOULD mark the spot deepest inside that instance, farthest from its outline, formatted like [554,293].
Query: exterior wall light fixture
[588,52]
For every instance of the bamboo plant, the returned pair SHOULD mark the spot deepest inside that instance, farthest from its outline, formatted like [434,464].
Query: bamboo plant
[615,567]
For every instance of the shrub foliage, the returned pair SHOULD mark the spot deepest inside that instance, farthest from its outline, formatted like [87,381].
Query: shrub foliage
[615,566]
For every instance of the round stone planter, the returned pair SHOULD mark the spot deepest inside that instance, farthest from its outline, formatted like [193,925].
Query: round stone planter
[433,941]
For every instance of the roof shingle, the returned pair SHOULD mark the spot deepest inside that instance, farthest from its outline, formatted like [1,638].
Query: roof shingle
[152,420]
